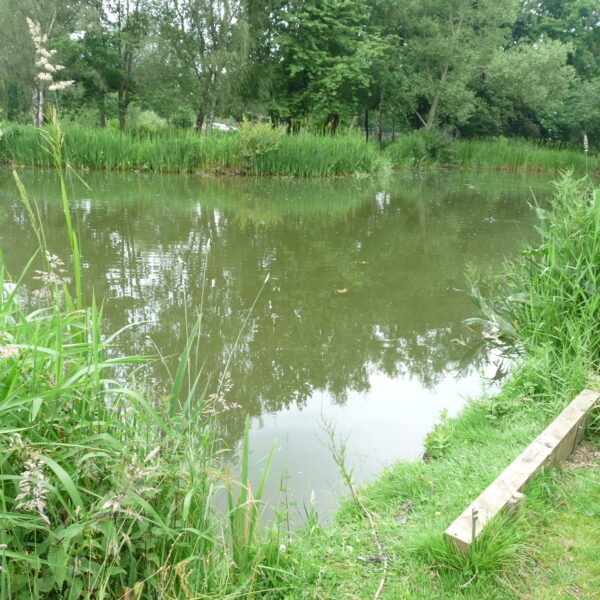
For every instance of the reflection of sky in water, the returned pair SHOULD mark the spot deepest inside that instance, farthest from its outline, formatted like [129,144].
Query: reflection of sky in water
[380,362]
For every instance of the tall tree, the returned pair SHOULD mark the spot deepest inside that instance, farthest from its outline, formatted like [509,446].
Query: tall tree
[448,43]
[18,71]
[209,40]
[128,22]
[94,62]
[323,52]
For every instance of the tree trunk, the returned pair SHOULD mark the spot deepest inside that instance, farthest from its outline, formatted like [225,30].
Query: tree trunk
[34,109]
[436,99]
[123,101]
[37,107]
[367,125]
[393,128]
[211,114]
[199,121]
[331,123]
[102,119]
[380,117]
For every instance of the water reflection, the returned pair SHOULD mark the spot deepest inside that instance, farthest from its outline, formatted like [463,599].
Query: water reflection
[381,359]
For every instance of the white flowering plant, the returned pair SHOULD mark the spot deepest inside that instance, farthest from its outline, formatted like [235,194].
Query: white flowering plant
[46,69]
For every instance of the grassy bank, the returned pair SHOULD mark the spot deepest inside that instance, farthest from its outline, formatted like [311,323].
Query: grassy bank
[547,307]
[106,490]
[258,149]
[521,155]
[423,149]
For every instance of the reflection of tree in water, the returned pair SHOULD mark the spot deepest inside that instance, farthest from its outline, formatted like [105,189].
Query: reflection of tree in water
[400,253]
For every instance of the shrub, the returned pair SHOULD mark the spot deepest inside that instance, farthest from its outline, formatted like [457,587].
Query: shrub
[258,138]
[426,145]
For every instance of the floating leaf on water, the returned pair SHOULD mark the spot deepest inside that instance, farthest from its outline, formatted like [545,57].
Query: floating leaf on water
[342,291]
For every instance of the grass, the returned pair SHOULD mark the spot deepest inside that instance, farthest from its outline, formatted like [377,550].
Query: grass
[103,496]
[567,537]
[182,151]
[522,155]
[106,491]
[434,149]
[547,308]
[259,149]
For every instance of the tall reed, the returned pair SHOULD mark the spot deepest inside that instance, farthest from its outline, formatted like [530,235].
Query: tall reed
[522,155]
[174,150]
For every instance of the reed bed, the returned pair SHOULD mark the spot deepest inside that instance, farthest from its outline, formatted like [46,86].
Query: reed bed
[299,155]
[522,155]
[173,150]
[422,149]
[106,490]
[306,155]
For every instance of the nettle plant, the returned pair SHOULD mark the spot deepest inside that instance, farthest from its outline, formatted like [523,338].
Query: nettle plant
[46,70]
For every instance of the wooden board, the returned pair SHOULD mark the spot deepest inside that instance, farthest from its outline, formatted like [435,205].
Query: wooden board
[555,443]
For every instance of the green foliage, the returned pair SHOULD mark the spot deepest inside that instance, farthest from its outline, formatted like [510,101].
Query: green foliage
[147,122]
[425,146]
[182,119]
[521,155]
[438,439]
[257,139]
[321,52]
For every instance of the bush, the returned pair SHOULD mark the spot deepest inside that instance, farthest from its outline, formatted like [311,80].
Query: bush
[182,119]
[258,138]
[423,146]
[147,122]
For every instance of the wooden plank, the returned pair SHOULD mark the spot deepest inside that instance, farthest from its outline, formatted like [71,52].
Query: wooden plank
[553,445]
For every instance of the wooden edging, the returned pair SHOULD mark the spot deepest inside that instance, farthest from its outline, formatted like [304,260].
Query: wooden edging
[557,442]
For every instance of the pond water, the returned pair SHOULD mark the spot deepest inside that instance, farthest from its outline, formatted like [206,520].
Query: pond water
[358,322]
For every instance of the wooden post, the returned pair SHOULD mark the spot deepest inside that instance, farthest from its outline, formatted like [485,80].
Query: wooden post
[554,444]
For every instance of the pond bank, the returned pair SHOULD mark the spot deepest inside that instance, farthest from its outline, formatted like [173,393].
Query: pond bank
[254,152]
[138,491]
[548,309]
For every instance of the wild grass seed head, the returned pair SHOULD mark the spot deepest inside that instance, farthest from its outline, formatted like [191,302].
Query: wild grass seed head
[9,351]
[34,486]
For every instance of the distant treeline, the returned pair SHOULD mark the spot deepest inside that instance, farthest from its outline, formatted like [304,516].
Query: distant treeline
[514,68]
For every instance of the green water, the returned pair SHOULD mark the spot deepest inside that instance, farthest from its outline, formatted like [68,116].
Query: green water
[380,361]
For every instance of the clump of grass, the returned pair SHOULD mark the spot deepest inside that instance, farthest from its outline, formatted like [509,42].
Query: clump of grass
[427,147]
[101,495]
[305,155]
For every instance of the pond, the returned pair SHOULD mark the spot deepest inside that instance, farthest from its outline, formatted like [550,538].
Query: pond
[333,299]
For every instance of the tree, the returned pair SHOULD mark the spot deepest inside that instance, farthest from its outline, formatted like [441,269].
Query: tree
[448,44]
[323,52]
[209,41]
[127,21]
[52,18]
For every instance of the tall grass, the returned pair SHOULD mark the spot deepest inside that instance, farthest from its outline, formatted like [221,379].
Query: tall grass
[522,155]
[434,148]
[300,155]
[309,154]
[106,491]
[175,150]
